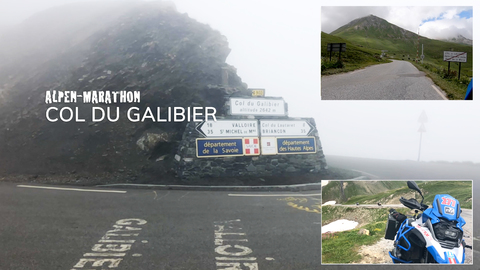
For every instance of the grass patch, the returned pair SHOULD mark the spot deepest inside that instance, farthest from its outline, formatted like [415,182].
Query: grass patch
[455,88]
[354,58]
[359,214]
[342,247]
[331,192]
[460,190]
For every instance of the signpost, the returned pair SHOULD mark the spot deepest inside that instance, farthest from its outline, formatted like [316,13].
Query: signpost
[257,106]
[225,147]
[460,57]
[282,128]
[336,47]
[228,128]
[298,145]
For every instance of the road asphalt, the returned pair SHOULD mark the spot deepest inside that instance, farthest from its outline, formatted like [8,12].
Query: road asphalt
[398,80]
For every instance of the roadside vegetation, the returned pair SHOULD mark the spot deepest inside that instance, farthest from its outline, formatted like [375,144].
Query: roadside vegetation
[355,57]
[448,81]
[342,247]
[460,190]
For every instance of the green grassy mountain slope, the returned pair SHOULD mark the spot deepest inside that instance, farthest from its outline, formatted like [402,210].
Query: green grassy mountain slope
[331,192]
[371,192]
[354,58]
[378,34]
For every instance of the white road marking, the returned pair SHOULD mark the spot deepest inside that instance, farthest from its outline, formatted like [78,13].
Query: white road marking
[439,92]
[73,189]
[111,251]
[235,259]
[103,254]
[274,195]
[269,259]
[235,252]
[144,241]
[183,195]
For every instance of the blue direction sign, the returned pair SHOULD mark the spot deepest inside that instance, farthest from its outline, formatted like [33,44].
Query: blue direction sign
[219,147]
[297,145]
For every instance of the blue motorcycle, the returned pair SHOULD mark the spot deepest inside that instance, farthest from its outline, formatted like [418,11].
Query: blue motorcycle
[434,236]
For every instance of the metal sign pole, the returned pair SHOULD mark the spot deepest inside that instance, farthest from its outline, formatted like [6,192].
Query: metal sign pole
[459,67]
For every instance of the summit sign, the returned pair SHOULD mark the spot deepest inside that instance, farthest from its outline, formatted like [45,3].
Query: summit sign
[257,106]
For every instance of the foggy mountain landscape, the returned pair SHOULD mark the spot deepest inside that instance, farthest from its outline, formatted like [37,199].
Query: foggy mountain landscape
[172,59]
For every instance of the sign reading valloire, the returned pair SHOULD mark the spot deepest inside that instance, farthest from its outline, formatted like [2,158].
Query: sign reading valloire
[299,145]
[279,128]
[455,56]
[229,128]
[257,106]
[219,147]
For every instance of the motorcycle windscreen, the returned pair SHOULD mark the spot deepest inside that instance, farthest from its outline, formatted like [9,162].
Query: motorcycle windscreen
[446,206]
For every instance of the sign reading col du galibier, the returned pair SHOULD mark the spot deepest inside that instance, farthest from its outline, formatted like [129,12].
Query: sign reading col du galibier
[257,106]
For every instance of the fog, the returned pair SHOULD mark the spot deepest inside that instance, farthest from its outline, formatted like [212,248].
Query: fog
[275,45]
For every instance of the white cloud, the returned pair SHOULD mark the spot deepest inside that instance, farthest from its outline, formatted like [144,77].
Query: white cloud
[445,22]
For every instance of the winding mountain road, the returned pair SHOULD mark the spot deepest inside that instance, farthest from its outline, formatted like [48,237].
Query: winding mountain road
[399,80]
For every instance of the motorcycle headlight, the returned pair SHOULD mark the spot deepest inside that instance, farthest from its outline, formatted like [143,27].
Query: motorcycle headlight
[451,234]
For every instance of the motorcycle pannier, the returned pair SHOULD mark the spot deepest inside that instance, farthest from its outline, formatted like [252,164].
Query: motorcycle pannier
[392,228]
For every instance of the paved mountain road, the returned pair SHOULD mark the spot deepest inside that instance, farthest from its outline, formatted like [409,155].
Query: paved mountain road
[159,229]
[399,80]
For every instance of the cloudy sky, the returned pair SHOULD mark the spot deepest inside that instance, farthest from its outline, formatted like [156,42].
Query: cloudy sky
[433,22]
[275,45]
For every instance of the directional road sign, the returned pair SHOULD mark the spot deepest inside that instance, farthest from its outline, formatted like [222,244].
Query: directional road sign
[282,128]
[229,128]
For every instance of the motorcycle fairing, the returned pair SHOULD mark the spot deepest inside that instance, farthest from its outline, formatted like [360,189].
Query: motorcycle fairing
[441,255]
[446,207]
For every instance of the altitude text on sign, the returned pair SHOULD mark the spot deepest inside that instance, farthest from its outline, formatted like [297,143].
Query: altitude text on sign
[257,106]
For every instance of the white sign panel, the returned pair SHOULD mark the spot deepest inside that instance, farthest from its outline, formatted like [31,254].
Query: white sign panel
[269,146]
[455,56]
[229,128]
[279,128]
[257,106]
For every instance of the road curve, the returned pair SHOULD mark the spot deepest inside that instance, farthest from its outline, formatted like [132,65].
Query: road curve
[399,80]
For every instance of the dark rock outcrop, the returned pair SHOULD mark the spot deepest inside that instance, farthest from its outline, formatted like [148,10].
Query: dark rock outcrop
[170,58]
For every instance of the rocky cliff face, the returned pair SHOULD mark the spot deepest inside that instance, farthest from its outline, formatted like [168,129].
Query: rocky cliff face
[170,58]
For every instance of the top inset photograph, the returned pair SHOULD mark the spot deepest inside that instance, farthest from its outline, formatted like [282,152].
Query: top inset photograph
[397,53]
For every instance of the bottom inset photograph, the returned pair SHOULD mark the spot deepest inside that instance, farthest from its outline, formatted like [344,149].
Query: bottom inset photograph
[397,222]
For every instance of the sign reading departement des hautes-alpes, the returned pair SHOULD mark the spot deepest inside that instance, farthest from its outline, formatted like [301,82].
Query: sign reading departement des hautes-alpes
[255,137]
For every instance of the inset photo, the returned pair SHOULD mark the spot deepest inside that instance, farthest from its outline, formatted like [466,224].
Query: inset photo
[397,53]
[397,222]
